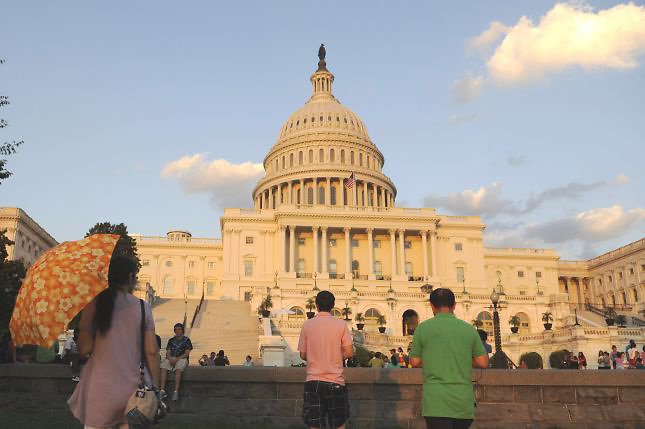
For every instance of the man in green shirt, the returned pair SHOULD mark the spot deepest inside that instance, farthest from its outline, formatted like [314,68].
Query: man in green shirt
[447,348]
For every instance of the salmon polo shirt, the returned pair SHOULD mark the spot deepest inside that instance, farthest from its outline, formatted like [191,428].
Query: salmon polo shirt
[322,338]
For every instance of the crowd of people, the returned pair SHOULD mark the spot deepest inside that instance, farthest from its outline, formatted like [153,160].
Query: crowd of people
[631,358]
[220,359]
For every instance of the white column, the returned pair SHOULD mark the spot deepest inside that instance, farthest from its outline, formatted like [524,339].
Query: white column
[370,245]
[328,196]
[289,191]
[433,253]
[402,250]
[393,248]
[424,241]
[303,196]
[315,232]
[382,197]
[325,262]
[316,202]
[374,196]
[270,205]
[355,191]
[348,257]
[292,247]
[283,241]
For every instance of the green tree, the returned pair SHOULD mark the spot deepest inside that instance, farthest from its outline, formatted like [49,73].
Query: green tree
[6,147]
[12,274]
[126,246]
[533,360]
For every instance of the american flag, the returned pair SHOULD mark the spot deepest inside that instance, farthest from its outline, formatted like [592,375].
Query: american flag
[349,182]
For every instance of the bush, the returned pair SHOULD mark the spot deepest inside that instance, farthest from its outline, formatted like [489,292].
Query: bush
[556,359]
[533,360]
[362,356]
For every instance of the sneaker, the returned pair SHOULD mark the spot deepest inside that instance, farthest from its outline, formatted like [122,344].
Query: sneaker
[175,396]
[76,379]
[162,394]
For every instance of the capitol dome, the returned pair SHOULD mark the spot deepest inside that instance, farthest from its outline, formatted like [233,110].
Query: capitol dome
[319,146]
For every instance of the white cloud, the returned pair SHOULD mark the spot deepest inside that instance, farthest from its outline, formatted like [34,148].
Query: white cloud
[590,226]
[569,35]
[621,179]
[484,201]
[228,184]
[467,88]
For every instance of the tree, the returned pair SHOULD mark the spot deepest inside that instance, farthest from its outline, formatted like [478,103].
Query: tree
[126,246]
[11,275]
[533,360]
[8,147]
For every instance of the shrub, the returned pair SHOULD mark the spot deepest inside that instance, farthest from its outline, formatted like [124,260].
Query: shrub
[533,360]
[361,356]
[556,359]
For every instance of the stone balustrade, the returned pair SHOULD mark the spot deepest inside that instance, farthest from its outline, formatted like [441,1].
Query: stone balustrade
[379,398]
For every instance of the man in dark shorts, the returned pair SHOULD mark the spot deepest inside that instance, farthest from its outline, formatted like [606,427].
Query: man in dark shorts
[447,348]
[177,352]
[324,343]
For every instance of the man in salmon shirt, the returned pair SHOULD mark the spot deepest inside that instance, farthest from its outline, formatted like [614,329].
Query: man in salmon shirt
[325,342]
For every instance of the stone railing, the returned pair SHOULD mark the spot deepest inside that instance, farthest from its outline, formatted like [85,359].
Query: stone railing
[269,397]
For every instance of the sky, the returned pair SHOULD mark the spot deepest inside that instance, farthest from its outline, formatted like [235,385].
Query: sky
[158,114]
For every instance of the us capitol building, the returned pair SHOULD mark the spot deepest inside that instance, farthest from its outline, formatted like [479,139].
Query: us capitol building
[324,216]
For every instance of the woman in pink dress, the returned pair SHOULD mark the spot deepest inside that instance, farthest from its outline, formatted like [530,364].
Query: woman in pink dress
[111,334]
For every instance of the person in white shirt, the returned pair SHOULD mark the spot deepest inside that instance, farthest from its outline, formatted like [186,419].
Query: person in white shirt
[70,355]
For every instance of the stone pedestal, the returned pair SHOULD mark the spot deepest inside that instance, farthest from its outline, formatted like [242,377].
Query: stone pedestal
[272,349]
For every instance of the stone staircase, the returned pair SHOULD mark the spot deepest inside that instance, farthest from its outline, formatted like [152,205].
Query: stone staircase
[167,312]
[227,325]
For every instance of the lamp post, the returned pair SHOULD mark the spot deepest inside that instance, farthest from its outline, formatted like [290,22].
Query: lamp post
[426,288]
[316,290]
[275,280]
[499,360]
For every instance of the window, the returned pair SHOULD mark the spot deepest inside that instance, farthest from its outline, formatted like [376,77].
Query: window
[321,155]
[378,268]
[351,157]
[332,157]
[407,244]
[290,160]
[301,265]
[520,274]
[210,288]
[610,279]
[301,241]
[342,156]
[168,284]
[525,326]
[321,195]
[191,264]
[249,240]
[310,196]
[298,313]
[332,242]
[355,266]
[300,158]
[408,268]
[354,243]
[332,194]
[377,244]
[538,274]
[458,247]
[169,263]
[190,289]
[487,322]
[360,159]
[248,268]
[311,156]
[522,292]
[332,266]
[620,275]
[599,282]
[283,162]
[631,271]
[211,265]
[642,267]
[145,262]
[460,274]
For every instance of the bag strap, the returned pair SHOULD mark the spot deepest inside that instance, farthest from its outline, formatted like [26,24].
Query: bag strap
[143,356]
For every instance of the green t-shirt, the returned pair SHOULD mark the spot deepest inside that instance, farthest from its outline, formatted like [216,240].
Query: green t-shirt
[447,346]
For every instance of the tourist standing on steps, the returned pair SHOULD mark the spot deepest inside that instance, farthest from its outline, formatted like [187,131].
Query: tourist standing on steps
[177,354]
[249,361]
[447,348]
[325,342]
[221,359]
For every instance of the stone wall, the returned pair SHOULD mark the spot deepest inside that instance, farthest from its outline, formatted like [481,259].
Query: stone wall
[272,397]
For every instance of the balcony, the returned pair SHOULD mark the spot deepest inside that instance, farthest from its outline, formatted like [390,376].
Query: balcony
[303,275]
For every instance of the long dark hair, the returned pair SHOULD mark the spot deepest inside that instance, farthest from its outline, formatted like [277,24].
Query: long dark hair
[120,269]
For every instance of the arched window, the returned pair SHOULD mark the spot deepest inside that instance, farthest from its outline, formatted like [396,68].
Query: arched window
[371,319]
[332,266]
[291,160]
[168,285]
[298,197]
[336,313]
[368,161]
[525,323]
[301,265]
[310,196]
[360,159]
[300,158]
[378,268]
[351,157]
[298,313]
[342,156]
[408,268]
[276,164]
[332,196]
[321,195]
[283,162]
[487,322]
[311,156]
[332,157]
[321,155]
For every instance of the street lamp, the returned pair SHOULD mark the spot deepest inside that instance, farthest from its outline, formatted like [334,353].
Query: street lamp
[499,360]
[275,280]
[316,290]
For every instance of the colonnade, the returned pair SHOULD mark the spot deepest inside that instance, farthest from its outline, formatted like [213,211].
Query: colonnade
[326,191]
[321,233]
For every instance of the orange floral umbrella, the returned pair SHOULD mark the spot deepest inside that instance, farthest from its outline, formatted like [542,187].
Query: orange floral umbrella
[58,286]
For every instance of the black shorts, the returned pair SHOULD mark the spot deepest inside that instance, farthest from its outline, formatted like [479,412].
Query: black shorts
[447,423]
[325,402]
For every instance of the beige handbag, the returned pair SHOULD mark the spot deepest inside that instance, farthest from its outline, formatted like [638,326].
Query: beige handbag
[144,408]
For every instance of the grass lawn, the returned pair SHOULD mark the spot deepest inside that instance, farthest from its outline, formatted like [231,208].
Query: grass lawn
[30,419]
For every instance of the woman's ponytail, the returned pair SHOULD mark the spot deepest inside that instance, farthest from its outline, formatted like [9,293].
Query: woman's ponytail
[119,274]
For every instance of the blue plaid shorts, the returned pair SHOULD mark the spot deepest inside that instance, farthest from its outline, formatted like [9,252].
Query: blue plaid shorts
[325,404]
